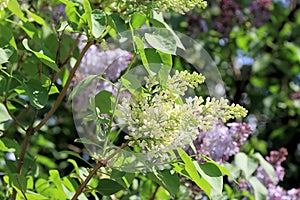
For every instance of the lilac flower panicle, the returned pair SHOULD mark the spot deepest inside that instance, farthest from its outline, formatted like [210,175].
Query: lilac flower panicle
[221,142]
[110,63]
[261,12]
[276,192]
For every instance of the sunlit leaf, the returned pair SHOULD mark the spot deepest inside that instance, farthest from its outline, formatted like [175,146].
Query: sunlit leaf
[162,40]
[38,95]
[5,54]
[42,57]
[137,20]
[98,18]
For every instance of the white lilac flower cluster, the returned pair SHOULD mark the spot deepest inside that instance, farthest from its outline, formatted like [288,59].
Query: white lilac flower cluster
[275,192]
[159,121]
[221,141]
[3,4]
[127,7]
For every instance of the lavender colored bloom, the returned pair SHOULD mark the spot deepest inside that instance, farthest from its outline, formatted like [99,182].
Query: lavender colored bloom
[110,62]
[96,61]
[231,15]
[276,192]
[221,142]
[261,12]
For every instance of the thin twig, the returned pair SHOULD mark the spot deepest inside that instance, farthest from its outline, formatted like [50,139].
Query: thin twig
[154,193]
[71,51]
[95,169]
[13,117]
[61,65]
[65,88]
[19,116]
[22,190]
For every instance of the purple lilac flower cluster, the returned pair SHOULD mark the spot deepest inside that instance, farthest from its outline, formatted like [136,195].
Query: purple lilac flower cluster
[260,10]
[110,63]
[219,143]
[222,141]
[231,14]
[276,192]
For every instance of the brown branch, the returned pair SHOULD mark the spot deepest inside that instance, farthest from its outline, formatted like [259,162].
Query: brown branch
[70,53]
[100,164]
[22,190]
[14,117]
[154,193]
[65,88]
[31,130]
[71,50]
[19,116]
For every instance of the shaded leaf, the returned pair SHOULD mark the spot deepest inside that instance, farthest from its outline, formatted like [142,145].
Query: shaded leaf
[38,95]
[98,18]
[108,187]
[81,85]
[103,102]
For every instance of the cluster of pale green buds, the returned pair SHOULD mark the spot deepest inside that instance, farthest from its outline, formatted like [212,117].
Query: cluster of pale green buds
[3,4]
[127,7]
[159,119]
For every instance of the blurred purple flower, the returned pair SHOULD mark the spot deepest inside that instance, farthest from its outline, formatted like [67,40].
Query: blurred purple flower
[222,141]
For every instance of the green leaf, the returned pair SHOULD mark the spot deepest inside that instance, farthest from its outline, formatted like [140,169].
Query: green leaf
[131,82]
[140,47]
[4,115]
[35,196]
[8,37]
[162,40]
[193,172]
[88,13]
[42,57]
[224,170]
[108,187]
[213,175]
[98,22]
[71,12]
[3,147]
[15,8]
[152,56]
[46,161]
[30,30]
[18,181]
[55,178]
[82,85]
[166,58]
[260,191]
[247,164]
[167,179]
[137,20]
[38,95]
[103,102]
[5,54]
[37,18]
